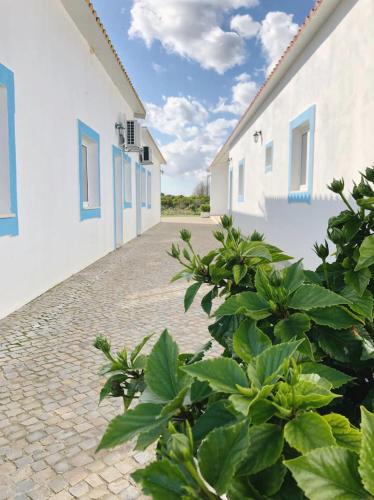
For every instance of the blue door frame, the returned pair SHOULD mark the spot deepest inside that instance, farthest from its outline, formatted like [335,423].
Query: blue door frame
[118,196]
[138,200]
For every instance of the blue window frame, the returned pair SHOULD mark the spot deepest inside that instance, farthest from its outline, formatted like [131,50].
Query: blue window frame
[241,181]
[149,189]
[269,151]
[89,172]
[143,186]
[8,176]
[127,178]
[301,157]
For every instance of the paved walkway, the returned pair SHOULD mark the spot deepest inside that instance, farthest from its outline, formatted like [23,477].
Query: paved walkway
[50,422]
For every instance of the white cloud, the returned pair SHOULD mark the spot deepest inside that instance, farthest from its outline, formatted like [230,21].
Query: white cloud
[242,94]
[179,116]
[158,68]
[196,137]
[192,29]
[277,30]
[245,26]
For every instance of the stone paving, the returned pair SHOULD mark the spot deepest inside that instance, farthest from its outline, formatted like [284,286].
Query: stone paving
[50,421]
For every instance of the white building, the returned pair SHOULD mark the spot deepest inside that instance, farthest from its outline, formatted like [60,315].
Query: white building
[72,187]
[313,121]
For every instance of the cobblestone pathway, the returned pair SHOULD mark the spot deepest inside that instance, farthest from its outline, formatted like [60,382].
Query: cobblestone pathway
[50,422]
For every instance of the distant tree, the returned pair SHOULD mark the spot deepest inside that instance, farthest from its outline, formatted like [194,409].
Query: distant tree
[202,189]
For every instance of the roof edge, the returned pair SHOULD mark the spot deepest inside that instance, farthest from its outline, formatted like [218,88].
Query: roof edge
[155,145]
[312,23]
[79,11]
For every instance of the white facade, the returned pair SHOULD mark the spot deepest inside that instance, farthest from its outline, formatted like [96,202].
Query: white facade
[65,74]
[316,111]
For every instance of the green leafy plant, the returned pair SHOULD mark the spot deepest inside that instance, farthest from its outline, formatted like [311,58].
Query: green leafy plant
[205,208]
[342,470]
[124,371]
[276,416]
[224,427]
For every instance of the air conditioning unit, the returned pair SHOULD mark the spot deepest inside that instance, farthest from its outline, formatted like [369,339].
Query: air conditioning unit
[146,155]
[132,135]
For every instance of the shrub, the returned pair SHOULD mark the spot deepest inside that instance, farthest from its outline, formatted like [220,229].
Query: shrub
[276,415]
[205,208]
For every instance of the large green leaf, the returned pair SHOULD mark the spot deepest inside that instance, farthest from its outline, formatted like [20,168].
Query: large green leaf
[222,374]
[328,474]
[308,431]
[142,418]
[292,327]
[265,448]
[162,480]
[293,276]
[359,280]
[360,304]
[309,395]
[342,345]
[248,303]
[161,374]
[190,295]
[270,361]
[217,414]
[367,450]
[262,282]
[335,377]
[335,317]
[239,271]
[269,481]
[220,454]
[249,341]
[344,434]
[366,258]
[308,297]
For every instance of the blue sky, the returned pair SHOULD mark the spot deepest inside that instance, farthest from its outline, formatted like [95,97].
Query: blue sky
[196,65]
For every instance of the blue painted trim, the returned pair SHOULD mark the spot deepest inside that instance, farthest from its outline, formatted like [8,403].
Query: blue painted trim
[9,225]
[116,153]
[126,158]
[269,168]
[85,131]
[309,117]
[149,175]
[143,203]
[241,165]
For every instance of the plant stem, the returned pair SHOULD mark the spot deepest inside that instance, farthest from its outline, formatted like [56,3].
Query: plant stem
[325,273]
[346,202]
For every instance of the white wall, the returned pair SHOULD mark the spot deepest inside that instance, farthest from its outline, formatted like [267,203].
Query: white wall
[58,80]
[219,190]
[335,73]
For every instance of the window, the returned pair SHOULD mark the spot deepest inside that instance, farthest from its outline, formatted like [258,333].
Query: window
[149,189]
[301,157]
[89,172]
[8,181]
[143,187]
[269,157]
[127,180]
[241,181]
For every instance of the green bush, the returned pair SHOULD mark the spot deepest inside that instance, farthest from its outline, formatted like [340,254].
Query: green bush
[205,208]
[182,205]
[276,416]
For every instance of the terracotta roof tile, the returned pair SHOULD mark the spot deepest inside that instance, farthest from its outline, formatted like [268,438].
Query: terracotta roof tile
[306,22]
[103,30]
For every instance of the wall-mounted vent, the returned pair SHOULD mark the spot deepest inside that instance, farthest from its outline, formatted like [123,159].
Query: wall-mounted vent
[132,134]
